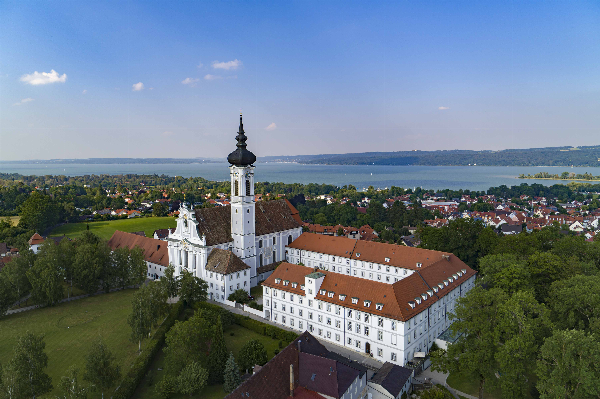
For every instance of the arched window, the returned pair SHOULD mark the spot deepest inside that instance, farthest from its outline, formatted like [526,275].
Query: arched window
[260,260]
[289,239]
[237,188]
[248,192]
[274,256]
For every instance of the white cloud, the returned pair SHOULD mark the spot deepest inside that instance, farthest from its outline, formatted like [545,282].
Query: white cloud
[83,92]
[212,77]
[272,126]
[138,86]
[235,64]
[190,81]
[200,65]
[167,133]
[43,78]
[23,101]
[443,108]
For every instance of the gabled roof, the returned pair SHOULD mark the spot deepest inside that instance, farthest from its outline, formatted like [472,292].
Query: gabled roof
[270,217]
[155,251]
[224,262]
[36,239]
[392,377]
[324,375]
[398,299]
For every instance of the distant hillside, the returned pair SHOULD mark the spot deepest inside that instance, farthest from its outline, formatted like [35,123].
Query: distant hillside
[549,156]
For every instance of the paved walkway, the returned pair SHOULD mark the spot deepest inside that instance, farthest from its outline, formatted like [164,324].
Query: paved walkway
[359,357]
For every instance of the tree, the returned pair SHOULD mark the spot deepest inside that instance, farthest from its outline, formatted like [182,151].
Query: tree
[251,354]
[26,369]
[159,209]
[239,295]
[217,356]
[522,326]
[436,392]
[192,289]
[128,266]
[170,282]
[476,316]
[92,265]
[100,368]
[187,342]
[7,297]
[192,379]
[149,304]
[16,272]
[575,303]
[544,268]
[231,375]
[569,366]
[46,276]
[69,386]
[38,212]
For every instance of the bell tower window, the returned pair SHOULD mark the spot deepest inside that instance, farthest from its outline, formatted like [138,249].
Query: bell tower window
[237,188]
[248,192]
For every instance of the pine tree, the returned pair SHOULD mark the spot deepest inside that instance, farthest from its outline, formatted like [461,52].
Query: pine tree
[231,375]
[217,356]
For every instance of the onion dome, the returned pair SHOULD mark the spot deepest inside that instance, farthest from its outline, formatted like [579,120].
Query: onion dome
[241,156]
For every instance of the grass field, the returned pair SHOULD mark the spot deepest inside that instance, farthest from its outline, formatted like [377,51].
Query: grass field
[105,229]
[13,219]
[471,387]
[234,343]
[70,329]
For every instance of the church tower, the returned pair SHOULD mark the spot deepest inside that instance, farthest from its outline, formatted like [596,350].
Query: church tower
[242,201]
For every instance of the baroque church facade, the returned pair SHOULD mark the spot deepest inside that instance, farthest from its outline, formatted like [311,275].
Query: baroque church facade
[236,246]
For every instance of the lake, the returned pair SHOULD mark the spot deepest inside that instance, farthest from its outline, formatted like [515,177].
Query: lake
[361,176]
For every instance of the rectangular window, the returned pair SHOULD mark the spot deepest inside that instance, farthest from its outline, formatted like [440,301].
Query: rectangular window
[300,300]
[320,319]
[291,309]
[380,322]
[380,335]
[328,334]
[300,312]
[267,302]
[300,323]
[320,331]
[366,331]
[379,352]
[328,307]
[358,328]
[349,341]
[310,302]
[283,319]
[393,357]
[337,324]
[337,337]
[291,322]
[329,320]
[394,325]
[349,326]
[310,315]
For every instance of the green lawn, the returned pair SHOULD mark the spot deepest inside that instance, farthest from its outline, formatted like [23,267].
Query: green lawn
[105,229]
[70,328]
[469,386]
[234,343]
[256,291]
[66,289]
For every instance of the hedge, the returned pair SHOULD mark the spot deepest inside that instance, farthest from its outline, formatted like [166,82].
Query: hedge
[253,325]
[140,365]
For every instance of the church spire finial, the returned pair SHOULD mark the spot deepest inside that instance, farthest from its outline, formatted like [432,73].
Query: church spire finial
[241,156]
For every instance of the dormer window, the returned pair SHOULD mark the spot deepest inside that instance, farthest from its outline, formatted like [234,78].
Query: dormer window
[330,294]
[379,306]
[446,282]
[342,297]
[455,276]
[435,289]
[354,300]
[302,287]
[387,259]
[464,271]
[322,292]
[424,296]
[367,303]
[450,279]
[309,281]
[358,255]
[419,264]
[418,300]
[286,282]
[430,293]
[459,274]
[412,304]
[441,285]
[277,280]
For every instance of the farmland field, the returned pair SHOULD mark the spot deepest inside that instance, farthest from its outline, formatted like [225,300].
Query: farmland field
[105,229]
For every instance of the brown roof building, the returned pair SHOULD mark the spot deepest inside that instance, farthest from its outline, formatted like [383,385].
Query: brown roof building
[155,251]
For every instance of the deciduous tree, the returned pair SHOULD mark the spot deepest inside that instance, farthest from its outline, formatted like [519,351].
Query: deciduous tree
[69,386]
[251,354]
[192,289]
[46,276]
[192,379]
[217,356]
[569,366]
[100,368]
[575,303]
[26,369]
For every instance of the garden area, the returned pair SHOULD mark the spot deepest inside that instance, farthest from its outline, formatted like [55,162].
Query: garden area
[235,338]
[105,229]
[71,328]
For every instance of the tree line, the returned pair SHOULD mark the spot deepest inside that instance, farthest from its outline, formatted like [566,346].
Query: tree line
[534,314]
[86,263]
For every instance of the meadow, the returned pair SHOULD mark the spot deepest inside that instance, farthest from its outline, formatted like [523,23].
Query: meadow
[105,229]
[70,329]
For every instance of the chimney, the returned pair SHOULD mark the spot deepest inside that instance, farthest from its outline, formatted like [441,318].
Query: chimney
[292,380]
[299,350]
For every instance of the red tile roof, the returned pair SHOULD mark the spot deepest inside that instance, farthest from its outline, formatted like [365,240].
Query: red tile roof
[36,239]
[155,251]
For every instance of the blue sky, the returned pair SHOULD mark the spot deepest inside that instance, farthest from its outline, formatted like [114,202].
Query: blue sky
[310,77]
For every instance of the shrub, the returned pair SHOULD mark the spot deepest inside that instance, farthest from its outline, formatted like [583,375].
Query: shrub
[140,365]
[280,344]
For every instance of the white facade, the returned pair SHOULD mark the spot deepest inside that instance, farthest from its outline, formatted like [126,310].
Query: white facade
[385,339]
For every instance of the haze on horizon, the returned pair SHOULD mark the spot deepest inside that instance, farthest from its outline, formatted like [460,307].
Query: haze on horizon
[168,79]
